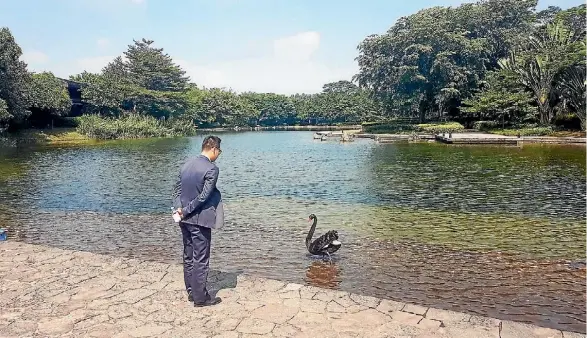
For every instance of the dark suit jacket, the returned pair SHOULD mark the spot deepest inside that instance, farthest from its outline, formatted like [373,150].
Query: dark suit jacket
[196,193]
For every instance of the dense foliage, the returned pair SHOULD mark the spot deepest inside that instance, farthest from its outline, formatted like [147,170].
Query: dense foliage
[131,126]
[494,59]
[25,98]
[490,64]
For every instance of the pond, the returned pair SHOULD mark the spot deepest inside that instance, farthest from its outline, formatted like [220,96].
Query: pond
[494,231]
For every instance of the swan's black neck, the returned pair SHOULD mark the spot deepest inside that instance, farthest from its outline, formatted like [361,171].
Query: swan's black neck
[311,232]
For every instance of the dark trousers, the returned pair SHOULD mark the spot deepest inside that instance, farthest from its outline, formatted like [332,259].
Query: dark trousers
[196,256]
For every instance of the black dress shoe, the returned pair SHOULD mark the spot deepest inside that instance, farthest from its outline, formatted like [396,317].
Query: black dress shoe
[190,298]
[209,302]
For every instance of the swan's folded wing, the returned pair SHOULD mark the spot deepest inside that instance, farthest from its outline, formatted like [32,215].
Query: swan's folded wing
[323,241]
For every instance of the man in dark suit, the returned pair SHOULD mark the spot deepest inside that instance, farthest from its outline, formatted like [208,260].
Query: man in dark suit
[199,204]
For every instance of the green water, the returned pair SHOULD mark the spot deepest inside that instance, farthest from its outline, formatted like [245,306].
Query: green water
[405,213]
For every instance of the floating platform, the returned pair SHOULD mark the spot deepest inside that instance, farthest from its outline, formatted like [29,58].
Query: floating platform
[343,136]
[483,138]
[458,138]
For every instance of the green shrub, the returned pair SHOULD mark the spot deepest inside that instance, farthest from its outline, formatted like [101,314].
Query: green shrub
[65,122]
[438,128]
[569,121]
[132,126]
[181,127]
[534,131]
[388,128]
[485,125]
[400,127]
[369,123]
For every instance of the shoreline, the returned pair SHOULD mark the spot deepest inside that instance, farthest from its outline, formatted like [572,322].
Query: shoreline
[70,137]
[474,138]
[280,128]
[53,292]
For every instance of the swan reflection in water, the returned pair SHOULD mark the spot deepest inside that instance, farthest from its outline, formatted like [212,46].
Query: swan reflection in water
[323,274]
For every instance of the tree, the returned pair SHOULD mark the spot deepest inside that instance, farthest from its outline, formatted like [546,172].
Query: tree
[193,100]
[146,82]
[308,107]
[501,99]
[14,81]
[225,108]
[575,19]
[102,94]
[50,94]
[432,60]
[421,56]
[343,101]
[501,24]
[539,62]
[572,87]
[270,108]
[343,87]
[547,16]
[49,99]
[148,67]
[4,114]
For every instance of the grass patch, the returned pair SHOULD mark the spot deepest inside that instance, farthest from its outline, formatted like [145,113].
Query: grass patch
[437,128]
[568,133]
[389,128]
[50,136]
[69,136]
[132,127]
[535,131]
[400,127]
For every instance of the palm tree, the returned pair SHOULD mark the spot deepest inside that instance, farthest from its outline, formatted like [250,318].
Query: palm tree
[538,64]
[572,87]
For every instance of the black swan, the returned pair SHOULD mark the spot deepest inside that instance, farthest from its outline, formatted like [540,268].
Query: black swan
[323,245]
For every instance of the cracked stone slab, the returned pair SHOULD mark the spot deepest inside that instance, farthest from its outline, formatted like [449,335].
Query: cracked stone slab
[370,302]
[48,292]
[573,335]
[103,330]
[364,321]
[446,316]
[285,331]
[291,287]
[312,305]
[344,300]
[150,330]
[461,330]
[255,326]
[274,313]
[406,317]
[290,294]
[308,292]
[55,325]
[335,307]
[133,296]
[511,329]
[229,334]
[388,306]
[415,309]
[484,321]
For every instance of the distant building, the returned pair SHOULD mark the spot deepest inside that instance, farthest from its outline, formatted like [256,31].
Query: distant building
[75,94]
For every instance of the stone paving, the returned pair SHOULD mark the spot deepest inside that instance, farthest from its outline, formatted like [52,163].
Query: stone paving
[49,292]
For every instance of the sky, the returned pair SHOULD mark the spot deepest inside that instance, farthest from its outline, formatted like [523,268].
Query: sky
[280,46]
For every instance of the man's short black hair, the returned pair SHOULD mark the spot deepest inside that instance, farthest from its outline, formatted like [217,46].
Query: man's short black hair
[211,142]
